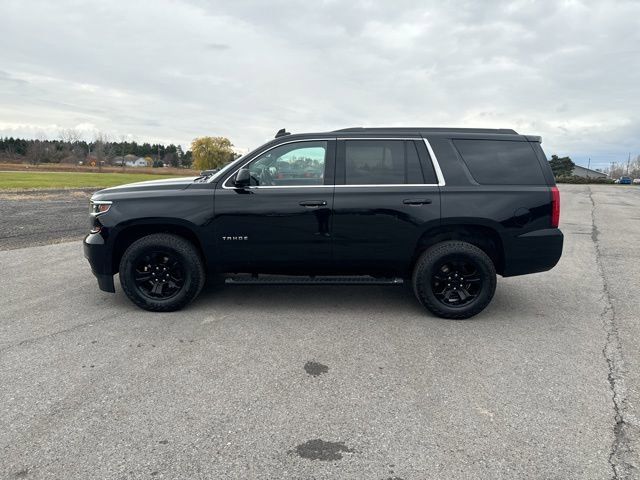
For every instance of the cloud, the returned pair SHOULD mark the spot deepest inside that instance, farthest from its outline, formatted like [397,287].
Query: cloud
[170,71]
[216,46]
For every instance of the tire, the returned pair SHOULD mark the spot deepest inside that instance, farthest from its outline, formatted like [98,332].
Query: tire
[177,270]
[434,270]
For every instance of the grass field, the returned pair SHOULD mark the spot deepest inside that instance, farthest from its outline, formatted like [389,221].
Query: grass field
[31,180]
[71,168]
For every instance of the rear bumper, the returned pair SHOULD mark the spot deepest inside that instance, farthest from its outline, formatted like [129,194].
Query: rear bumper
[96,252]
[532,252]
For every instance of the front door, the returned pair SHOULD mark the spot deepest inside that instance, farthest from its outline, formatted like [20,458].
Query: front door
[282,222]
[386,197]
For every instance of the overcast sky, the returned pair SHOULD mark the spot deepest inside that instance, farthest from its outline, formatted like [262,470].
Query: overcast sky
[169,71]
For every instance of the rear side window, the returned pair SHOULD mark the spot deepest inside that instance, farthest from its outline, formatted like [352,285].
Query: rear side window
[501,162]
[382,162]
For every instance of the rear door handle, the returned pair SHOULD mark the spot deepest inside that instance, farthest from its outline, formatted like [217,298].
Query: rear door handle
[416,201]
[313,203]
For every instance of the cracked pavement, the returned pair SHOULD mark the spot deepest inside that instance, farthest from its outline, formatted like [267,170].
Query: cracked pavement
[621,291]
[330,382]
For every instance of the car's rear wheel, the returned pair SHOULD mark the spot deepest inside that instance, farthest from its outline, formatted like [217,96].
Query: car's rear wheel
[454,279]
[161,272]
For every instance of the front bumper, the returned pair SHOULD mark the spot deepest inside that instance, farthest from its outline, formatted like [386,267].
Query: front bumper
[96,252]
[536,251]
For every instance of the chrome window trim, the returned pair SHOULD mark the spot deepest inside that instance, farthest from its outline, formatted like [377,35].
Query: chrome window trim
[432,155]
[436,165]
[380,138]
[253,187]
[224,185]
[391,185]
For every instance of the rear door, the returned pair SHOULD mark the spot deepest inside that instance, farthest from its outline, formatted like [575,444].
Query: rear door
[386,196]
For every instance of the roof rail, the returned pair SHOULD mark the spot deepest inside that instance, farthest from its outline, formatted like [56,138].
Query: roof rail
[505,131]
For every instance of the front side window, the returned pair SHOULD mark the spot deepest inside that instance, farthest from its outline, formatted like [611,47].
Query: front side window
[382,162]
[292,164]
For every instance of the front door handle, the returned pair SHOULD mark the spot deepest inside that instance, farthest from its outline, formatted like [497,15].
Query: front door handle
[313,203]
[416,201]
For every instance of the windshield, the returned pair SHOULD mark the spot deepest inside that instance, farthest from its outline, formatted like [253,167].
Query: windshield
[225,169]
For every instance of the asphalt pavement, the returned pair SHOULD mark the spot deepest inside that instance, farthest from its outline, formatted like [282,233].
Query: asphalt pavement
[331,382]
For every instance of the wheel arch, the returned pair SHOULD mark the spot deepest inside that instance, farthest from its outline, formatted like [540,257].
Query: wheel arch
[134,230]
[483,236]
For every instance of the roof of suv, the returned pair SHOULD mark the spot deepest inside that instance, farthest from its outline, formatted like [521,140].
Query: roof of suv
[390,130]
[364,132]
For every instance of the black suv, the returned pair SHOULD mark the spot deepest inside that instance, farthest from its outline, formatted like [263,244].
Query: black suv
[444,208]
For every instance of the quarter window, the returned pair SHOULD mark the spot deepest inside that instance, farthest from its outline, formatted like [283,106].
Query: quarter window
[292,164]
[382,162]
[501,162]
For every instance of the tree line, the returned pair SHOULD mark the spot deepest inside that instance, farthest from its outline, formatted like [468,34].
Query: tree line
[205,153]
[100,151]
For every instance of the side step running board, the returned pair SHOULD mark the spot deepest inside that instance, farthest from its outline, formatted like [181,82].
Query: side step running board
[299,280]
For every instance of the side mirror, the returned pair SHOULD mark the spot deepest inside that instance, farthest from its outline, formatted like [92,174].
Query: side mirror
[242,178]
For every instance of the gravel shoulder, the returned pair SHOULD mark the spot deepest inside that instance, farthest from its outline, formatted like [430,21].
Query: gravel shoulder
[42,217]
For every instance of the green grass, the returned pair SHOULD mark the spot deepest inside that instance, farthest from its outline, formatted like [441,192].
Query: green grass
[35,180]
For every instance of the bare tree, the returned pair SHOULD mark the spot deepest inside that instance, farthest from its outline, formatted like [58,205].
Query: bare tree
[99,149]
[72,149]
[123,140]
[104,149]
[10,152]
[70,135]
[35,152]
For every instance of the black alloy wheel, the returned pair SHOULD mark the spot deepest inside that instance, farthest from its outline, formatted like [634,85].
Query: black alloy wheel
[454,279]
[159,274]
[456,283]
[162,272]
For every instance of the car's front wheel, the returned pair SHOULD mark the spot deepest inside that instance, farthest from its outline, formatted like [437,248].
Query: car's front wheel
[161,272]
[454,279]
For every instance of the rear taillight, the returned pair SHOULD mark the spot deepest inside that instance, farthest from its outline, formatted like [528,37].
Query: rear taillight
[555,207]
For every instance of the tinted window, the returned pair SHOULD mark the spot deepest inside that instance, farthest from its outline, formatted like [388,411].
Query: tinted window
[500,162]
[414,171]
[381,162]
[427,164]
[293,164]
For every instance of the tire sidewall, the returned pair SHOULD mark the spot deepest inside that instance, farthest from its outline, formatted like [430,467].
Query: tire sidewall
[438,254]
[190,268]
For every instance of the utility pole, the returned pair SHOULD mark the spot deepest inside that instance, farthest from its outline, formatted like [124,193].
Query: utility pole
[589,164]
[628,162]
[122,152]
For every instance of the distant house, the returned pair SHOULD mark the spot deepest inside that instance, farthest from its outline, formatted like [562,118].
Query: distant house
[130,161]
[139,162]
[584,172]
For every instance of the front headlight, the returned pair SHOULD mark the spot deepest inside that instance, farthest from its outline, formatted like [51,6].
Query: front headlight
[98,207]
